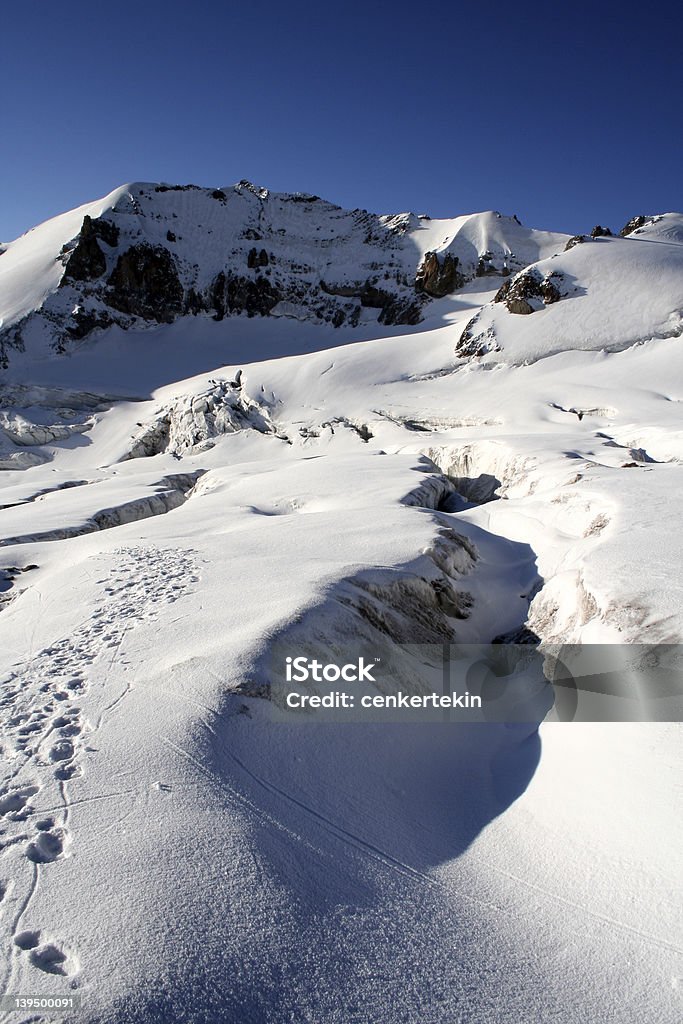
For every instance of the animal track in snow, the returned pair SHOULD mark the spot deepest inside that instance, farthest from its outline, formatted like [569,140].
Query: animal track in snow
[41,720]
[45,727]
[27,939]
[13,802]
[47,956]
[47,846]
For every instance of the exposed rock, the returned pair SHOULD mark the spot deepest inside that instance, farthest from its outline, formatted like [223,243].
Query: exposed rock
[10,340]
[549,288]
[177,188]
[632,225]
[194,303]
[87,262]
[395,309]
[600,232]
[302,197]
[105,230]
[519,306]
[438,279]
[346,291]
[574,240]
[373,297]
[145,283]
[473,343]
[257,259]
[145,264]
[485,266]
[400,311]
[83,322]
[249,186]
[230,293]
[528,292]
[362,429]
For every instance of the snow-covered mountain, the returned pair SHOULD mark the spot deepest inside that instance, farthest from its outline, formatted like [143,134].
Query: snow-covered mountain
[236,425]
[149,254]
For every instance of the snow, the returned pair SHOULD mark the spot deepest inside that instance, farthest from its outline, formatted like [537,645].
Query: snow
[30,270]
[186,523]
[639,281]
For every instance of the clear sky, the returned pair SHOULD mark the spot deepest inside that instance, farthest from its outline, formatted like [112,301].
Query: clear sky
[566,114]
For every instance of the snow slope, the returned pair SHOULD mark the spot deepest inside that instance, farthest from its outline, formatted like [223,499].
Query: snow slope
[615,292]
[180,505]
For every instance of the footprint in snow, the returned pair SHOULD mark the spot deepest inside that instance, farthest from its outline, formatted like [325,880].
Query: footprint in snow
[47,846]
[14,801]
[47,956]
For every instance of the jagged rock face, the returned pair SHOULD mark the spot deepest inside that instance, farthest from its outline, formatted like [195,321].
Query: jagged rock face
[145,283]
[400,311]
[87,261]
[257,259]
[393,309]
[597,232]
[159,252]
[528,292]
[230,294]
[438,278]
[84,322]
[632,225]
[485,266]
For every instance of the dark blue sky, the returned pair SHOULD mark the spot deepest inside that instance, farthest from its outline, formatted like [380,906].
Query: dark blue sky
[565,114]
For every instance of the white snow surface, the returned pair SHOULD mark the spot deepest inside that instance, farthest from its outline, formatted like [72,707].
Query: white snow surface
[616,292]
[183,498]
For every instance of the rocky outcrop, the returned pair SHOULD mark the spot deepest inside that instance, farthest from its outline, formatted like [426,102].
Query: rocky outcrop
[528,292]
[86,261]
[394,309]
[574,240]
[10,341]
[145,283]
[486,266]
[162,251]
[257,259]
[346,291]
[83,322]
[437,278]
[473,342]
[600,232]
[398,311]
[231,294]
[632,225]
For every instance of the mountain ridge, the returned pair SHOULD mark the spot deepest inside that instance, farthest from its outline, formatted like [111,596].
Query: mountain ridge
[152,252]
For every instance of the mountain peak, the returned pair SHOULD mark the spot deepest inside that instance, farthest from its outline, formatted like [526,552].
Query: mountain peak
[151,253]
